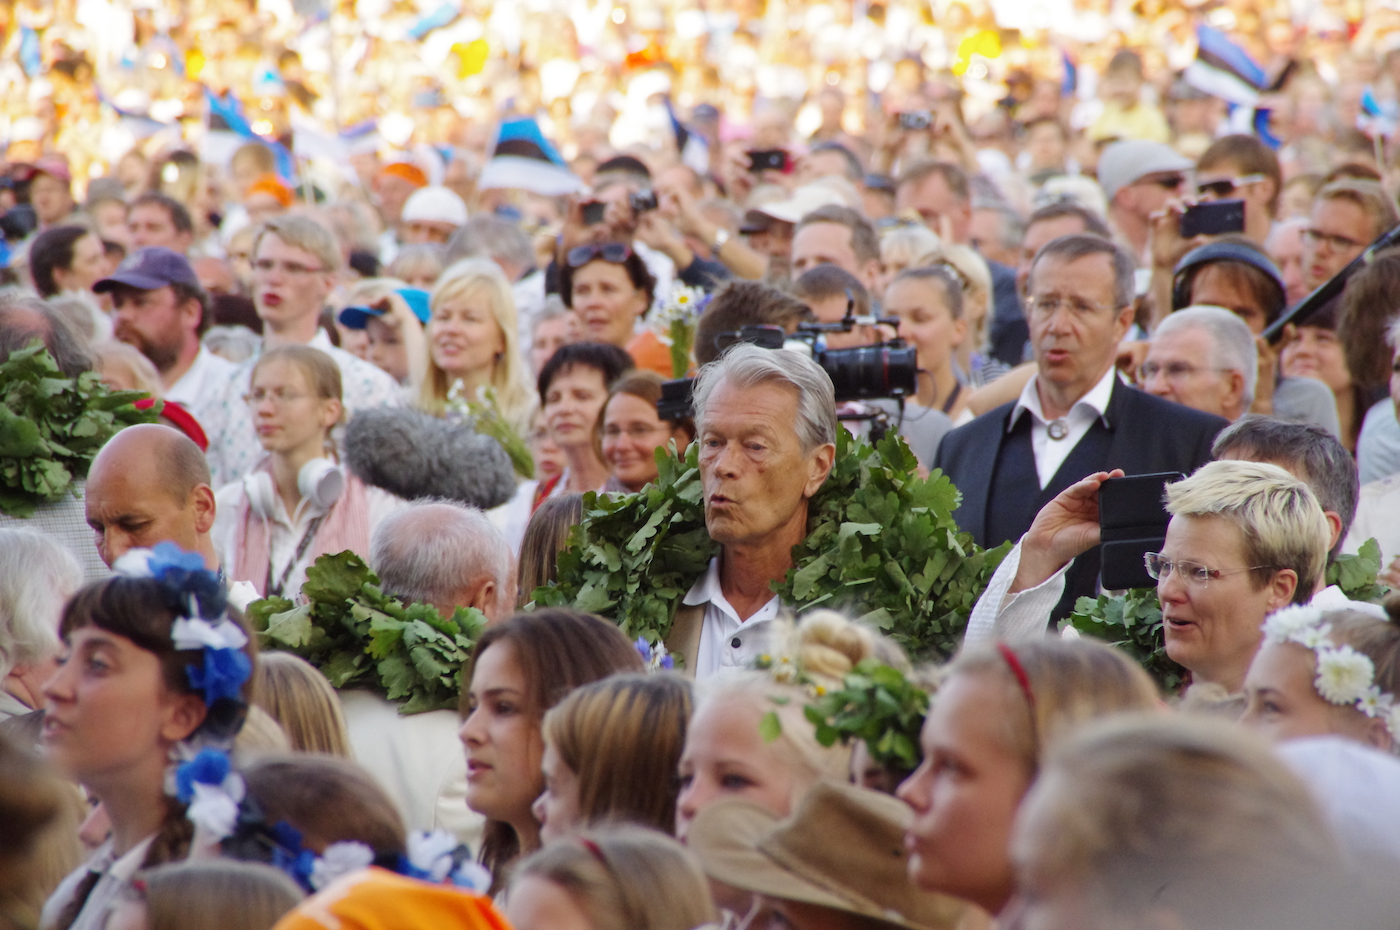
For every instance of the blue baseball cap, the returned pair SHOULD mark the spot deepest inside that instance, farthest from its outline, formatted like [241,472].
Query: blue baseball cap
[149,269]
[416,298]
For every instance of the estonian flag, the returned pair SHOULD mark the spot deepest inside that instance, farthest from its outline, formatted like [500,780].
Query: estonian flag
[226,115]
[523,158]
[1223,69]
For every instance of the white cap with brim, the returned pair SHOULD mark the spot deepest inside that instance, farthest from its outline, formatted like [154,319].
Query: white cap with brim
[1123,163]
[804,200]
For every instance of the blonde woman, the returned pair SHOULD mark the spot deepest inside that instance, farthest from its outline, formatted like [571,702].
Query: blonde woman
[473,338]
[974,355]
[302,702]
[997,712]
[903,246]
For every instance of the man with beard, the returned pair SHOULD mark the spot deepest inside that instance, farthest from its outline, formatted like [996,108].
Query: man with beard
[160,308]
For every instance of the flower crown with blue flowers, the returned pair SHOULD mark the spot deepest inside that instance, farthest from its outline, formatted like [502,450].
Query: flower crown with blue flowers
[204,780]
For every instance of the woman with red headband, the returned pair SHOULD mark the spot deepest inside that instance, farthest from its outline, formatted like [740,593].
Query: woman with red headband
[996,713]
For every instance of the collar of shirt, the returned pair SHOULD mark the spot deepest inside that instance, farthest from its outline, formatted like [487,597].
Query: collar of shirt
[1091,405]
[707,590]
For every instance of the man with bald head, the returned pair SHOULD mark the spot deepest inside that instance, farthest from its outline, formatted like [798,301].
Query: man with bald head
[150,484]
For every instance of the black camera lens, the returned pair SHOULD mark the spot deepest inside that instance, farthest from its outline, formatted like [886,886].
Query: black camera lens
[642,201]
[869,372]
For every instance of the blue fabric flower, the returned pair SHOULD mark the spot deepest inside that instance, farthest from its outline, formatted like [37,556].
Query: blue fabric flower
[223,674]
[668,663]
[298,865]
[643,649]
[210,767]
[183,574]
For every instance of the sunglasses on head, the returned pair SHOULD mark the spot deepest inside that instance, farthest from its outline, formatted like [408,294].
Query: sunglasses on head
[614,253]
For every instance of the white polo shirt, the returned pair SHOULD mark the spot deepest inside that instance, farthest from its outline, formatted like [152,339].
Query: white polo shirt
[725,640]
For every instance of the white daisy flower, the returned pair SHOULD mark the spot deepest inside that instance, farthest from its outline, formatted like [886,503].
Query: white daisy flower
[340,859]
[1343,675]
[1282,625]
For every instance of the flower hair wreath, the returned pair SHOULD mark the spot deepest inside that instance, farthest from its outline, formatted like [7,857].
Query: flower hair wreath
[1344,677]
[204,780]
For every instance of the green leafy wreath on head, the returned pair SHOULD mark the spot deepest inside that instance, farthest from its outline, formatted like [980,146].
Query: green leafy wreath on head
[52,426]
[881,546]
[358,636]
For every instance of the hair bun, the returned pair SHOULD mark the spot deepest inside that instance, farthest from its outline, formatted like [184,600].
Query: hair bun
[828,646]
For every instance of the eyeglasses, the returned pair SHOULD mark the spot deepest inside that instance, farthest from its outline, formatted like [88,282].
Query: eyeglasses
[268,266]
[279,397]
[1050,304]
[1172,371]
[614,253]
[1193,573]
[1335,242]
[1226,186]
[636,431]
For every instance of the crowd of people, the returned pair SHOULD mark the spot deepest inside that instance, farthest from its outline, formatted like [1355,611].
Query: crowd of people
[396,296]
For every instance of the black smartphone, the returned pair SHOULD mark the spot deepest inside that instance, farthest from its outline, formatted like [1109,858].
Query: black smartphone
[916,119]
[767,160]
[593,212]
[642,201]
[1133,521]
[1213,218]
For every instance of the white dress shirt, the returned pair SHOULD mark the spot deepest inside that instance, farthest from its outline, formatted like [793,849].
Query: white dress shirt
[1050,453]
[725,640]
[116,873]
[233,442]
[201,386]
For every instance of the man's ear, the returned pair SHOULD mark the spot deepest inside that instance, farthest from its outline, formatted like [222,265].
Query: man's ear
[819,466]
[1334,529]
[202,499]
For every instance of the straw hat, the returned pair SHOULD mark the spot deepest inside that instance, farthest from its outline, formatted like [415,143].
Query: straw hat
[843,848]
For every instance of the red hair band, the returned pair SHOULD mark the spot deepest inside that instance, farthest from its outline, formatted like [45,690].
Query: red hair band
[1018,672]
[593,849]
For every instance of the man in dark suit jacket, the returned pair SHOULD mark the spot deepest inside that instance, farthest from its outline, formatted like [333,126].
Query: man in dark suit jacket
[1075,417]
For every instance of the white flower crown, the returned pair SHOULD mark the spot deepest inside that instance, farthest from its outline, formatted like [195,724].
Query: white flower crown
[1344,677]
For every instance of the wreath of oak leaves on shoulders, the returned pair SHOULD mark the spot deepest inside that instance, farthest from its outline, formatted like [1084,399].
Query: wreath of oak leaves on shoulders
[881,546]
[358,636]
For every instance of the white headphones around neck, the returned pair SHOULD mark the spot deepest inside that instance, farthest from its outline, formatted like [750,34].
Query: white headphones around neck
[320,482]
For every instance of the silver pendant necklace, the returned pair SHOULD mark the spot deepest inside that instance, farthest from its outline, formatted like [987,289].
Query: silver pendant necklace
[1058,429]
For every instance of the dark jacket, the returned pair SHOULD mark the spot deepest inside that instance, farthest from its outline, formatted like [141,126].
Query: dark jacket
[1146,435]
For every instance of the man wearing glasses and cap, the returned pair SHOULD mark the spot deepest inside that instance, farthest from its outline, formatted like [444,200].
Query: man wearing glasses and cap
[1139,178]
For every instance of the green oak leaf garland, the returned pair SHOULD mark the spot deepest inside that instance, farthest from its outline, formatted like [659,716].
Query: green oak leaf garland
[358,636]
[881,546]
[51,427]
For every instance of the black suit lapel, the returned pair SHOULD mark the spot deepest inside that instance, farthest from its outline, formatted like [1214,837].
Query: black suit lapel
[976,487]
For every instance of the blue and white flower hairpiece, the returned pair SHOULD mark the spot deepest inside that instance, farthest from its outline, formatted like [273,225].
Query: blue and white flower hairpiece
[1345,677]
[201,603]
[432,857]
[212,790]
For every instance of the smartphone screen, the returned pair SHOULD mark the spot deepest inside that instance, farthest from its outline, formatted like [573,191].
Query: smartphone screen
[1133,521]
[1214,218]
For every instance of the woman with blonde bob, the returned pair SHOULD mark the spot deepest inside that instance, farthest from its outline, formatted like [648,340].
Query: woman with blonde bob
[610,754]
[997,712]
[624,878]
[302,702]
[1175,822]
[473,337]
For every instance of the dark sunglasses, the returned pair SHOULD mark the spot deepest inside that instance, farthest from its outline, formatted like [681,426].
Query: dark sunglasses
[1170,184]
[1226,186]
[615,253]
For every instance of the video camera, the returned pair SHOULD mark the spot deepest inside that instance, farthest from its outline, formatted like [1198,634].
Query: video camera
[885,369]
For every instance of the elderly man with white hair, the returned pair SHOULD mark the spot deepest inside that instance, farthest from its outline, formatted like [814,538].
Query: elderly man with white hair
[448,555]
[766,424]
[1203,358]
[37,575]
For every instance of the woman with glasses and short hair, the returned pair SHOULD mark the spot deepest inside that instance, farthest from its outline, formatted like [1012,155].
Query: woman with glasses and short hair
[630,431]
[609,288]
[297,504]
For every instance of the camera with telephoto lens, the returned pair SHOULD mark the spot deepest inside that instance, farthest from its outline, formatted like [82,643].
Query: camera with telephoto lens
[915,120]
[885,369]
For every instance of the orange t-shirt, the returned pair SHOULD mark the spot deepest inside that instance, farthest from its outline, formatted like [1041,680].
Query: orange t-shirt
[377,899]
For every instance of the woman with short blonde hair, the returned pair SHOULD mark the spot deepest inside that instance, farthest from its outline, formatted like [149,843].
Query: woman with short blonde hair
[473,337]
